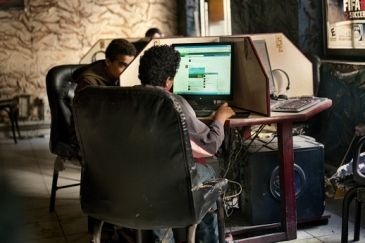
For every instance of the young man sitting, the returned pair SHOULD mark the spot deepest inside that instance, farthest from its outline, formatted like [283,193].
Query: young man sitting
[157,69]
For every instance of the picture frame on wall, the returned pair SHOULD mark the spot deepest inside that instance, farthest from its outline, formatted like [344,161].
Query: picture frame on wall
[11,4]
[344,25]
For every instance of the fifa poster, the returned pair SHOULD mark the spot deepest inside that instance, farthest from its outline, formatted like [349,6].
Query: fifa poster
[345,24]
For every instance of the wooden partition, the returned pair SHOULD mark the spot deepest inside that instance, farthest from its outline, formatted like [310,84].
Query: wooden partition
[251,85]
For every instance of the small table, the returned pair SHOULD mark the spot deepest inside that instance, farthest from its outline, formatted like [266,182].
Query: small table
[11,107]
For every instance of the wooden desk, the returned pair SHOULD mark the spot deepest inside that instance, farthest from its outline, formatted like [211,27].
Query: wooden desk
[284,123]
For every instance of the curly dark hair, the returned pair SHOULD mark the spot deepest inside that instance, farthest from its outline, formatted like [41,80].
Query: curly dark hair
[119,47]
[157,64]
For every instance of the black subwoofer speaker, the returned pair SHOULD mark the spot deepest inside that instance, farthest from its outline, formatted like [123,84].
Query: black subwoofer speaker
[260,198]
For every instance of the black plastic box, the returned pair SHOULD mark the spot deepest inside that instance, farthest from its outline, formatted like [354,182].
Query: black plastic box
[260,197]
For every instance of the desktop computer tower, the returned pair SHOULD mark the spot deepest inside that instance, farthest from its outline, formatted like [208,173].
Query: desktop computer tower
[260,198]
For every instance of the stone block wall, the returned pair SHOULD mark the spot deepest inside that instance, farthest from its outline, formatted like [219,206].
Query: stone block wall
[54,32]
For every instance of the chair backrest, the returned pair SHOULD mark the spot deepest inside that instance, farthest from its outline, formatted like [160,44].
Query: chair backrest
[359,177]
[138,170]
[316,67]
[60,92]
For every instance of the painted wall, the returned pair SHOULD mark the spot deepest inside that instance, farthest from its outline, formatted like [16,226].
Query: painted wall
[54,32]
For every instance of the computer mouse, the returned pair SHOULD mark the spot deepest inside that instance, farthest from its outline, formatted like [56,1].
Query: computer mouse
[282,97]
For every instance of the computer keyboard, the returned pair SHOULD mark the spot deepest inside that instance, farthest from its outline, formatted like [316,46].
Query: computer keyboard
[204,110]
[295,105]
[203,113]
[205,107]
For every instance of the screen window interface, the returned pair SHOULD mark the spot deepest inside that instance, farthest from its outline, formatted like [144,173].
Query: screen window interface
[204,70]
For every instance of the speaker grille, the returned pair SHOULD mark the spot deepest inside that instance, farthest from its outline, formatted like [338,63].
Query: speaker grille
[260,199]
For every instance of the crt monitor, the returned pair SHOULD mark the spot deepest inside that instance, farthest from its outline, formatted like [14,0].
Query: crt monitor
[205,72]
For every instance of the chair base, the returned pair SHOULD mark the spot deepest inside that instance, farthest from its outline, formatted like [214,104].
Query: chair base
[55,188]
[221,222]
[350,195]
[95,227]
[10,106]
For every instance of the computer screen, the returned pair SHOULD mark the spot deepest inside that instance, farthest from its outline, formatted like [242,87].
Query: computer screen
[205,71]
[261,49]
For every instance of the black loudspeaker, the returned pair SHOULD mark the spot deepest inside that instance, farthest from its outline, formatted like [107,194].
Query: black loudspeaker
[260,198]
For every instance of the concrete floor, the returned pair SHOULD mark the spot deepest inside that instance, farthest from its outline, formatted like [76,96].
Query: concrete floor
[28,169]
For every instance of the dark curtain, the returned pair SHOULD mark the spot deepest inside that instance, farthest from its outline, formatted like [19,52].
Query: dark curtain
[265,16]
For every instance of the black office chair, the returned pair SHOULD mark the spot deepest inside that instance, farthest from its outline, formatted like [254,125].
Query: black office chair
[316,68]
[358,193]
[138,167]
[60,91]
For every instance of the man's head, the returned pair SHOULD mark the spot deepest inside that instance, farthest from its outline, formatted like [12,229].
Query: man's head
[118,55]
[158,66]
[154,32]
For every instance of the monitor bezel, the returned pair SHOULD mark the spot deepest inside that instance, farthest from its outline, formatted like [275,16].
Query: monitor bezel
[209,98]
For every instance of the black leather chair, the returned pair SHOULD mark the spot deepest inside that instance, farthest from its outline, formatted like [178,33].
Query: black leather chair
[138,167]
[316,68]
[60,91]
[358,193]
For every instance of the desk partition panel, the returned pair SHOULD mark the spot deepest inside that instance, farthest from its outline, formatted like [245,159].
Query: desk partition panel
[284,55]
[251,85]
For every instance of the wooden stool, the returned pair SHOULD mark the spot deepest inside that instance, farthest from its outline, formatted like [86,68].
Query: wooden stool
[11,107]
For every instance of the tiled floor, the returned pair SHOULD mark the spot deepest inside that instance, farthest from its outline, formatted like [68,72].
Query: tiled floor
[28,168]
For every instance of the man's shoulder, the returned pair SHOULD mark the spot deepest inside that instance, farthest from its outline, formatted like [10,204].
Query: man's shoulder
[92,69]
[181,99]
[95,74]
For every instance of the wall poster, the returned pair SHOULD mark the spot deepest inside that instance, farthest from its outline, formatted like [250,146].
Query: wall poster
[345,23]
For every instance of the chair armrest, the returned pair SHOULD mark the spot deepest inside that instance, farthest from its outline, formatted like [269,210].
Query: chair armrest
[214,186]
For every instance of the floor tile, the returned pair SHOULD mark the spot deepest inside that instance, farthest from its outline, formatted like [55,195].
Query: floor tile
[60,239]
[70,211]
[79,238]
[311,240]
[39,215]
[35,203]
[333,238]
[43,229]
[74,225]
[28,167]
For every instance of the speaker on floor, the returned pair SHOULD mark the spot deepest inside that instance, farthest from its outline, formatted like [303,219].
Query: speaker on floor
[260,198]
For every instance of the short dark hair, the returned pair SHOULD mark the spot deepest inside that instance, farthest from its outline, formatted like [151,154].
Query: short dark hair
[157,64]
[119,47]
[151,32]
